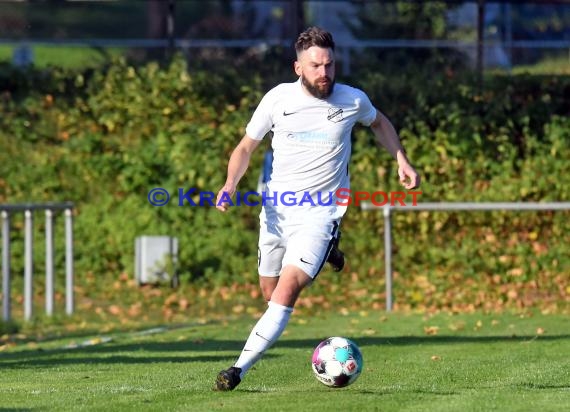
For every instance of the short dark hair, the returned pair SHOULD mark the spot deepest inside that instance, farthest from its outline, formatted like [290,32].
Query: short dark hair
[314,36]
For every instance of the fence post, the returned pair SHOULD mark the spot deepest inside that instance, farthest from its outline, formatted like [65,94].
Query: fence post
[388,256]
[49,263]
[29,264]
[6,305]
[480,43]
[28,210]
[69,303]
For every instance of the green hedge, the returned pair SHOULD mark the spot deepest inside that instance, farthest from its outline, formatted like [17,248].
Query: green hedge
[103,139]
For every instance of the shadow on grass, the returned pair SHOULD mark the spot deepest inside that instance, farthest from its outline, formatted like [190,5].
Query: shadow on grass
[89,333]
[537,386]
[187,350]
[4,409]
[354,390]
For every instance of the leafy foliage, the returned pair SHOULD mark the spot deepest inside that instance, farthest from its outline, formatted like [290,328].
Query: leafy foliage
[104,138]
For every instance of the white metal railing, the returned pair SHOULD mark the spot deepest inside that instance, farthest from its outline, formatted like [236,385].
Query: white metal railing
[28,209]
[446,207]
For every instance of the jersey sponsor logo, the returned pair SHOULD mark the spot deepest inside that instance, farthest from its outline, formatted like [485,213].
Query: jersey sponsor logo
[335,114]
[312,138]
[288,114]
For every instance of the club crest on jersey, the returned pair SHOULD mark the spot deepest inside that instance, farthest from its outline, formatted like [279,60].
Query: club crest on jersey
[335,114]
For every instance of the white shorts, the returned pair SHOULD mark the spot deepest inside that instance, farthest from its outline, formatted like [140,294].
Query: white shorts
[303,244]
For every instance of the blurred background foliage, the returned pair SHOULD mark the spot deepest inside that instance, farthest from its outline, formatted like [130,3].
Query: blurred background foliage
[103,135]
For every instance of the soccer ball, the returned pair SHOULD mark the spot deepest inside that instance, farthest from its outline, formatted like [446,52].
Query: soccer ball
[337,362]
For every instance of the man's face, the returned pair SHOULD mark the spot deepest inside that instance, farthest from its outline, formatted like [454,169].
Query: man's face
[316,68]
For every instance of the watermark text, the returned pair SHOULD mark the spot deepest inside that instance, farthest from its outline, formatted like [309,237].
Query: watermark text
[341,197]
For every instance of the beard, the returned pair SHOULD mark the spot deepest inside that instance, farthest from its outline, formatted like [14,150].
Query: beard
[318,89]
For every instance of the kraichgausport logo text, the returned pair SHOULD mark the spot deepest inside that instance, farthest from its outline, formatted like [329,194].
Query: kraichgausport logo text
[341,197]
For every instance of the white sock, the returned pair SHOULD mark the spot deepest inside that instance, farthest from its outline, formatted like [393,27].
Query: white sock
[264,334]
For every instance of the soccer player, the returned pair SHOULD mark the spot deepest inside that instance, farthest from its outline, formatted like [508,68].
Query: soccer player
[311,120]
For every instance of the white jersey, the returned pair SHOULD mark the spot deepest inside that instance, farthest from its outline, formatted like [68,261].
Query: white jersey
[311,146]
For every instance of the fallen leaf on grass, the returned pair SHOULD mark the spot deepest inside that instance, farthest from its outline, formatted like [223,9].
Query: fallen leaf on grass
[6,346]
[431,330]
[32,345]
[478,325]
[457,326]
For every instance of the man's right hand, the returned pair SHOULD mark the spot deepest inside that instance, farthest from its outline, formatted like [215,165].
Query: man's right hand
[224,197]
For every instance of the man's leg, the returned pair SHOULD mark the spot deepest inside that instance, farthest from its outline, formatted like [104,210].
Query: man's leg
[300,259]
[269,327]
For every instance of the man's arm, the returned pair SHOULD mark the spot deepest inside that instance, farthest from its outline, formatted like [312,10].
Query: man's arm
[239,161]
[387,137]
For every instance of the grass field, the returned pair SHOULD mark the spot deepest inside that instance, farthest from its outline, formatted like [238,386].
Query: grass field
[471,362]
[67,57]
[70,57]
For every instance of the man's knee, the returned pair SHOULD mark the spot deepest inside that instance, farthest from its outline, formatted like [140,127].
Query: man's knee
[267,291]
[291,282]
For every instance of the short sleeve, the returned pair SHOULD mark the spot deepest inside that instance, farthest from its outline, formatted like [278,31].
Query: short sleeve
[366,110]
[261,121]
